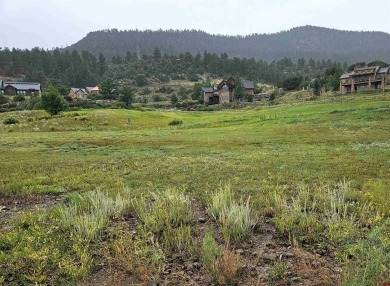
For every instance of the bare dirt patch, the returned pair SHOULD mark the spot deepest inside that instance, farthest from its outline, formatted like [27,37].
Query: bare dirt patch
[266,259]
[11,207]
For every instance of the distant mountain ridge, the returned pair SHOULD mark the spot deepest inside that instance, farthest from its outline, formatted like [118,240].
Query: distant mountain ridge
[300,42]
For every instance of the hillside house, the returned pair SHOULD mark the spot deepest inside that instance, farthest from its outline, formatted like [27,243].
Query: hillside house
[82,93]
[249,87]
[20,88]
[365,78]
[220,93]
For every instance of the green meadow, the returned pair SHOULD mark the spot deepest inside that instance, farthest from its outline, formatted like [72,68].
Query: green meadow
[289,159]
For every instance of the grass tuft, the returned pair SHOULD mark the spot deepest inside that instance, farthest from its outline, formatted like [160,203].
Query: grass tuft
[235,218]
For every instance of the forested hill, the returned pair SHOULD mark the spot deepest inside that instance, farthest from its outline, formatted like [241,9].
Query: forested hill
[302,42]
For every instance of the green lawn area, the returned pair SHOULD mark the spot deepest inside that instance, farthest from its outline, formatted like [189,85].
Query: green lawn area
[314,143]
[255,150]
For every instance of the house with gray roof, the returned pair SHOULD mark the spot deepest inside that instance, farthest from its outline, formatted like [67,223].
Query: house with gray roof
[365,78]
[20,88]
[77,92]
[82,93]
[249,87]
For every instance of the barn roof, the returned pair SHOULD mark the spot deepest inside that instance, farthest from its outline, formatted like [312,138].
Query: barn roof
[24,85]
[248,84]
[207,89]
[76,89]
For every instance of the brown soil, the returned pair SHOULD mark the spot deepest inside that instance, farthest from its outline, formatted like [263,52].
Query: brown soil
[11,207]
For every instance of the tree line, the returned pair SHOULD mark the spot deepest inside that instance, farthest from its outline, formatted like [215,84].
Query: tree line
[66,69]
[307,42]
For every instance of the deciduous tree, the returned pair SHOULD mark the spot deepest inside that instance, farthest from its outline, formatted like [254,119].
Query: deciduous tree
[52,101]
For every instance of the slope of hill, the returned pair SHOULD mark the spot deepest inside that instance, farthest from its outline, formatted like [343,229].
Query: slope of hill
[307,42]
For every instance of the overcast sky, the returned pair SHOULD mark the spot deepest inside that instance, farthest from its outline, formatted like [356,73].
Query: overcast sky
[59,23]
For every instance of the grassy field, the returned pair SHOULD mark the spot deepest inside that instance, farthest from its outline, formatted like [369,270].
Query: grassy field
[315,171]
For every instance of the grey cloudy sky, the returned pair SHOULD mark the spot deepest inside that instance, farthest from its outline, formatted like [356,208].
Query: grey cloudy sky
[51,23]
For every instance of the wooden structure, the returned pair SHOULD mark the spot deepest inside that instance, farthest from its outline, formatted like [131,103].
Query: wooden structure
[20,88]
[249,87]
[365,78]
[220,93]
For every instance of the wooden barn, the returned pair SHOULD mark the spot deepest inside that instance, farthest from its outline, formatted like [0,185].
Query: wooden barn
[249,87]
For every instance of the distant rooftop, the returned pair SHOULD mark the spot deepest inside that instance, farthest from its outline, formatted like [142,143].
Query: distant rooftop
[248,84]
[207,89]
[23,85]
[365,71]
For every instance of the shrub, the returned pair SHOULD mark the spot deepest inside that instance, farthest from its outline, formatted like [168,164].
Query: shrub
[164,78]
[140,80]
[174,99]
[175,122]
[165,89]
[228,265]
[10,120]
[157,98]
[146,91]
[3,99]
[19,97]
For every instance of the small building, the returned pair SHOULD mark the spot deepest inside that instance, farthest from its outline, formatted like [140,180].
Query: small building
[94,90]
[76,92]
[249,87]
[208,93]
[20,88]
[365,78]
[82,93]
[220,93]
